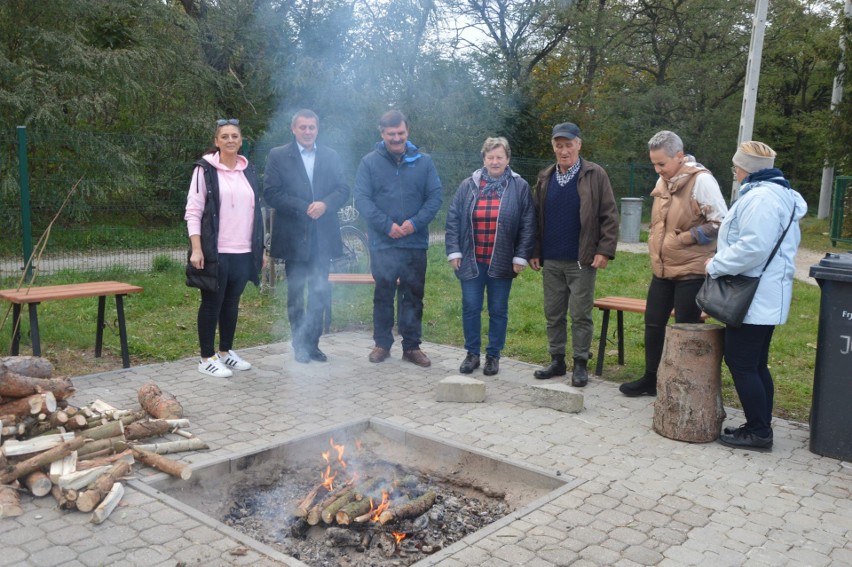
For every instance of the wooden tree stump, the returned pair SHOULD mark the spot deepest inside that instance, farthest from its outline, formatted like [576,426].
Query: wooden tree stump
[689,389]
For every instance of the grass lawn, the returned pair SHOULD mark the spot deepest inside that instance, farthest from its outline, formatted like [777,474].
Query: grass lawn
[161,324]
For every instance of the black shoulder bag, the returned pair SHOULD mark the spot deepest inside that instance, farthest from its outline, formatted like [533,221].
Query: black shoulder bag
[727,298]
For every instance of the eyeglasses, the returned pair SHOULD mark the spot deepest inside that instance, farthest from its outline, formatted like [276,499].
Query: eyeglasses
[733,170]
[226,121]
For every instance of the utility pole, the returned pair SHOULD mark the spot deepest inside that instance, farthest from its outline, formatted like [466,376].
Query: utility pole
[755,52]
[836,97]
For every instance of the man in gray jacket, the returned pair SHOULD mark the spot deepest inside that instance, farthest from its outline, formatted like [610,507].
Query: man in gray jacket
[577,235]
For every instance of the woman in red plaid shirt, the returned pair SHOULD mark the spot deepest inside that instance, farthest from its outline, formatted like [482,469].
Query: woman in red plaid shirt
[491,228]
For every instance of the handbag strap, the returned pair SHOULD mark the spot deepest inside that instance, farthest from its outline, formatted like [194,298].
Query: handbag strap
[780,240]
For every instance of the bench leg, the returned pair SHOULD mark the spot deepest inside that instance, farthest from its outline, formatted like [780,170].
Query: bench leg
[602,343]
[620,338]
[122,330]
[16,329]
[36,338]
[99,330]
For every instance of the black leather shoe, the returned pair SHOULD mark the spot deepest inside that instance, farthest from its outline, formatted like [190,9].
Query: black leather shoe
[742,438]
[579,375]
[644,386]
[492,365]
[732,430]
[557,368]
[470,363]
[302,356]
[318,355]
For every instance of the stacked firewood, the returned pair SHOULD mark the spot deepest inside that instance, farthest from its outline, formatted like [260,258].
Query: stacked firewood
[79,454]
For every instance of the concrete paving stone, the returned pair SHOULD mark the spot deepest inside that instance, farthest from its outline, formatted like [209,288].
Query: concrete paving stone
[474,555]
[157,535]
[627,535]
[614,545]
[642,555]
[147,555]
[588,535]
[693,518]
[513,554]
[67,535]
[72,563]
[22,535]
[599,555]
[684,556]
[50,556]
[556,554]
[536,542]
[653,518]
[12,555]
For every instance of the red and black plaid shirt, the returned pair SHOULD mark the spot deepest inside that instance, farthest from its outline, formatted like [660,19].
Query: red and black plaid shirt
[485,226]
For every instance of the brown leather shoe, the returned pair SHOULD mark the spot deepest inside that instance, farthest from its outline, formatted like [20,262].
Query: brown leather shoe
[418,357]
[379,354]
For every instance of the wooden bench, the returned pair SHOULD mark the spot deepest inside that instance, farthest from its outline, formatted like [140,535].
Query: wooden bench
[619,305]
[32,296]
[344,278]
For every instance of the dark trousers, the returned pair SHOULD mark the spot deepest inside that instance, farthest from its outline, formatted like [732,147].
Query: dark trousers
[663,296]
[308,292]
[747,357]
[407,266]
[223,305]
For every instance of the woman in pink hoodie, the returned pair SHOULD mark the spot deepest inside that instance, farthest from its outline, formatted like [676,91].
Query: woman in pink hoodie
[226,237]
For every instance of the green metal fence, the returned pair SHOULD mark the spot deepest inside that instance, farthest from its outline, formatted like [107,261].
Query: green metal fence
[841,210]
[124,196]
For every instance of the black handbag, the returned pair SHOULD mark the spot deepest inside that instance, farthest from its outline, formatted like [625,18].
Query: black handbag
[728,298]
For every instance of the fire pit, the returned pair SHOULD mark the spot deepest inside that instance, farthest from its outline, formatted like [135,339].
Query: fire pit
[364,494]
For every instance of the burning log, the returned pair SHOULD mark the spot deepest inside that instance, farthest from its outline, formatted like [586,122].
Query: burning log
[108,504]
[163,464]
[159,404]
[32,366]
[329,513]
[194,444]
[41,460]
[31,405]
[89,499]
[414,508]
[315,513]
[304,506]
[14,385]
[38,483]
[145,429]
[351,510]
[10,501]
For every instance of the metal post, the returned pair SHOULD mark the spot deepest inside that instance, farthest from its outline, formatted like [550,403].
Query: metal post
[755,52]
[26,224]
[836,98]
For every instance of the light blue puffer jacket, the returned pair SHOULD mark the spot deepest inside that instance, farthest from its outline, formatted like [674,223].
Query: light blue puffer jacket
[746,238]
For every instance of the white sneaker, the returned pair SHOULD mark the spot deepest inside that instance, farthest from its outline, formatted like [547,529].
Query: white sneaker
[233,360]
[213,367]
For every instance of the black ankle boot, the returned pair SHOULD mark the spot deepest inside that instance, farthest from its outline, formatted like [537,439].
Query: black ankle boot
[646,385]
[580,375]
[557,368]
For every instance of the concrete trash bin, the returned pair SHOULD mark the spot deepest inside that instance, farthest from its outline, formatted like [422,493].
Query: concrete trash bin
[831,418]
[631,219]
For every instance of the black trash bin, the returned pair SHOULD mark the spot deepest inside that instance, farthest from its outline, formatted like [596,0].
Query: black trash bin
[831,409]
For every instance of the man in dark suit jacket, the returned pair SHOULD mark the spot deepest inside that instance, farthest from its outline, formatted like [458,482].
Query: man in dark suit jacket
[304,183]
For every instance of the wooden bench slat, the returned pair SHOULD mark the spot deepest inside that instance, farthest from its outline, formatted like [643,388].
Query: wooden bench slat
[344,278]
[68,291]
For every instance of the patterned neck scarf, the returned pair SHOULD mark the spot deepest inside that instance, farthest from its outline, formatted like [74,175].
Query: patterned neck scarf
[564,178]
[494,186]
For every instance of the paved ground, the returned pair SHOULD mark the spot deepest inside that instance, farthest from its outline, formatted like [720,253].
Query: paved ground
[638,498]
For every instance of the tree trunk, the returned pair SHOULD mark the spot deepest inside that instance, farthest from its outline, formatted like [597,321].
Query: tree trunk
[689,392]
[305,505]
[10,501]
[163,464]
[14,385]
[159,404]
[194,444]
[33,366]
[31,405]
[315,513]
[145,429]
[126,456]
[41,460]
[38,483]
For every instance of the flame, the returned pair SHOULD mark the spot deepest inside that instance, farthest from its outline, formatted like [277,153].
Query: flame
[398,536]
[339,449]
[375,513]
[328,478]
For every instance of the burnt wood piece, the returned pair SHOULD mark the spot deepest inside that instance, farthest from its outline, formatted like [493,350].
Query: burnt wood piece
[159,404]
[351,511]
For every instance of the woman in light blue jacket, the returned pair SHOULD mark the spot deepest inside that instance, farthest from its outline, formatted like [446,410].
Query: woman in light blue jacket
[757,219]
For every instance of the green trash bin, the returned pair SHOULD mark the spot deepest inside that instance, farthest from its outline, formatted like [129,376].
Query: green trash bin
[831,409]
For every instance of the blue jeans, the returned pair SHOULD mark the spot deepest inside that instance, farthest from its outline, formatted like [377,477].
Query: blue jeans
[747,357]
[473,292]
